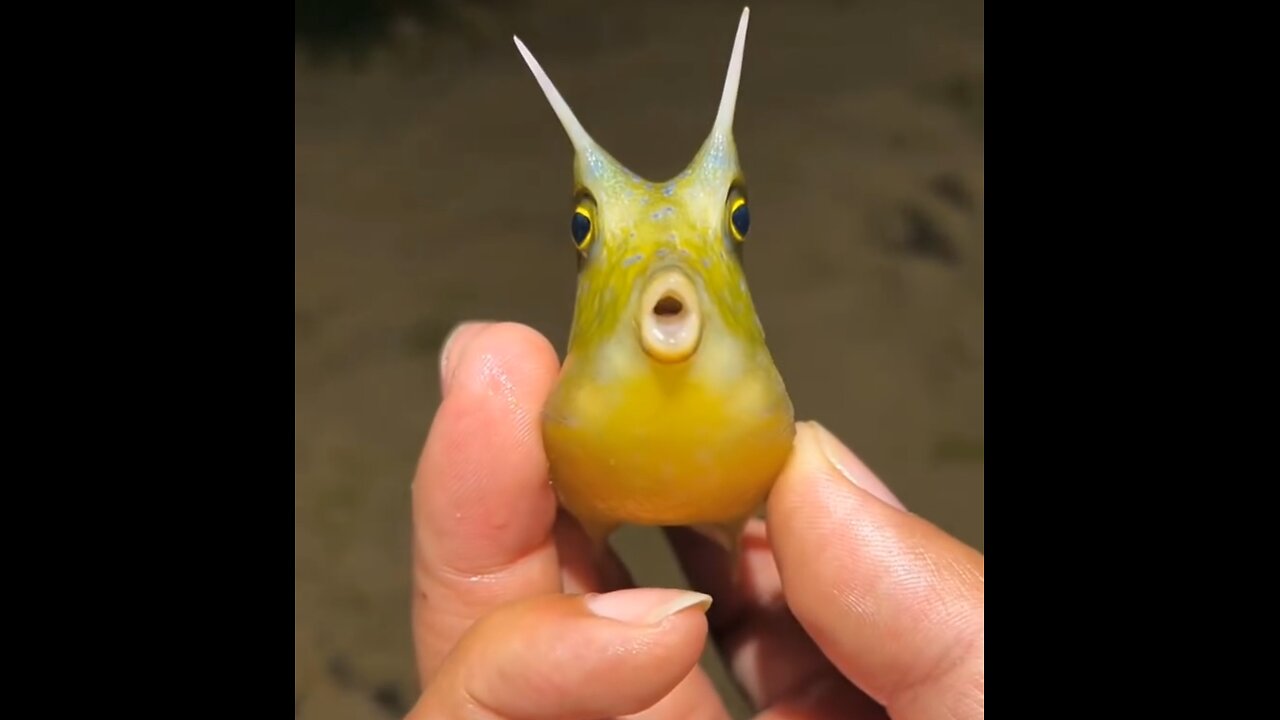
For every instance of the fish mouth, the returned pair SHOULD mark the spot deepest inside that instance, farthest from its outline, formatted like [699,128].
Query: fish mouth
[670,316]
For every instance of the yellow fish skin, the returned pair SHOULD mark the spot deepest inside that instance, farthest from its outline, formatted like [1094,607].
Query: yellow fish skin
[669,410]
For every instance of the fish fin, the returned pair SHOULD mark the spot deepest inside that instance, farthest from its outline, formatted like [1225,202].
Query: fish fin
[598,532]
[727,535]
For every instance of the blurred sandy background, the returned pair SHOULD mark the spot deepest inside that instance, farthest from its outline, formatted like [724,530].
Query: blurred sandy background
[432,185]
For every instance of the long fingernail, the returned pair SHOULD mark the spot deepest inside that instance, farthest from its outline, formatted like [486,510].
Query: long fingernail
[451,349]
[646,606]
[843,460]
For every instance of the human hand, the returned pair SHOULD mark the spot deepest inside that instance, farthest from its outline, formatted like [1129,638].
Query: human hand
[847,607]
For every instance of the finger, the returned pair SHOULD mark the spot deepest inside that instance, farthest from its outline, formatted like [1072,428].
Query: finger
[893,601]
[482,509]
[695,698]
[568,657]
[770,655]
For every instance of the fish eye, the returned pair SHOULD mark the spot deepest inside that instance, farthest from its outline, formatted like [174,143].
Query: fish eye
[581,228]
[739,218]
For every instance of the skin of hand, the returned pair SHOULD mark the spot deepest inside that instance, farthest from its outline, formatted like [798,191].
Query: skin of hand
[845,605]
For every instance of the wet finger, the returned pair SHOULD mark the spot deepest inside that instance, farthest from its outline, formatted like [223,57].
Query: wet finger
[482,509]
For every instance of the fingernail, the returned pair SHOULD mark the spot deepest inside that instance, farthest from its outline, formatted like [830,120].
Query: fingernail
[646,606]
[843,460]
[452,348]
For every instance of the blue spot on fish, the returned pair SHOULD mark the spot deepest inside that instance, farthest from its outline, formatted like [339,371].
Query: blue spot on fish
[632,260]
[669,190]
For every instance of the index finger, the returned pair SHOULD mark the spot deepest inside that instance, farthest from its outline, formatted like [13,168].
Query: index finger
[778,666]
[895,603]
[482,507]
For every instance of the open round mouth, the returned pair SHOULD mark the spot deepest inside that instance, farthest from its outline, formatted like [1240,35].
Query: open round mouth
[668,306]
[670,317]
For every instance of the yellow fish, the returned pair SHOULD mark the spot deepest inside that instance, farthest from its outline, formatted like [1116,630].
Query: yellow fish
[669,410]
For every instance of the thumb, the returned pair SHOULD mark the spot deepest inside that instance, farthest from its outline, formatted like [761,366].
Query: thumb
[893,601]
[567,657]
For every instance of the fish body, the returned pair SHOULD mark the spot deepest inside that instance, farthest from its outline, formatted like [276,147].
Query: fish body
[669,409]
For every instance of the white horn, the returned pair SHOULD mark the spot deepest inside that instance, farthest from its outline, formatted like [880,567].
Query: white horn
[577,135]
[729,99]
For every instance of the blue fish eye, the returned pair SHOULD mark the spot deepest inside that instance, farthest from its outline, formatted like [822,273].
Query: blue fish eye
[580,227]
